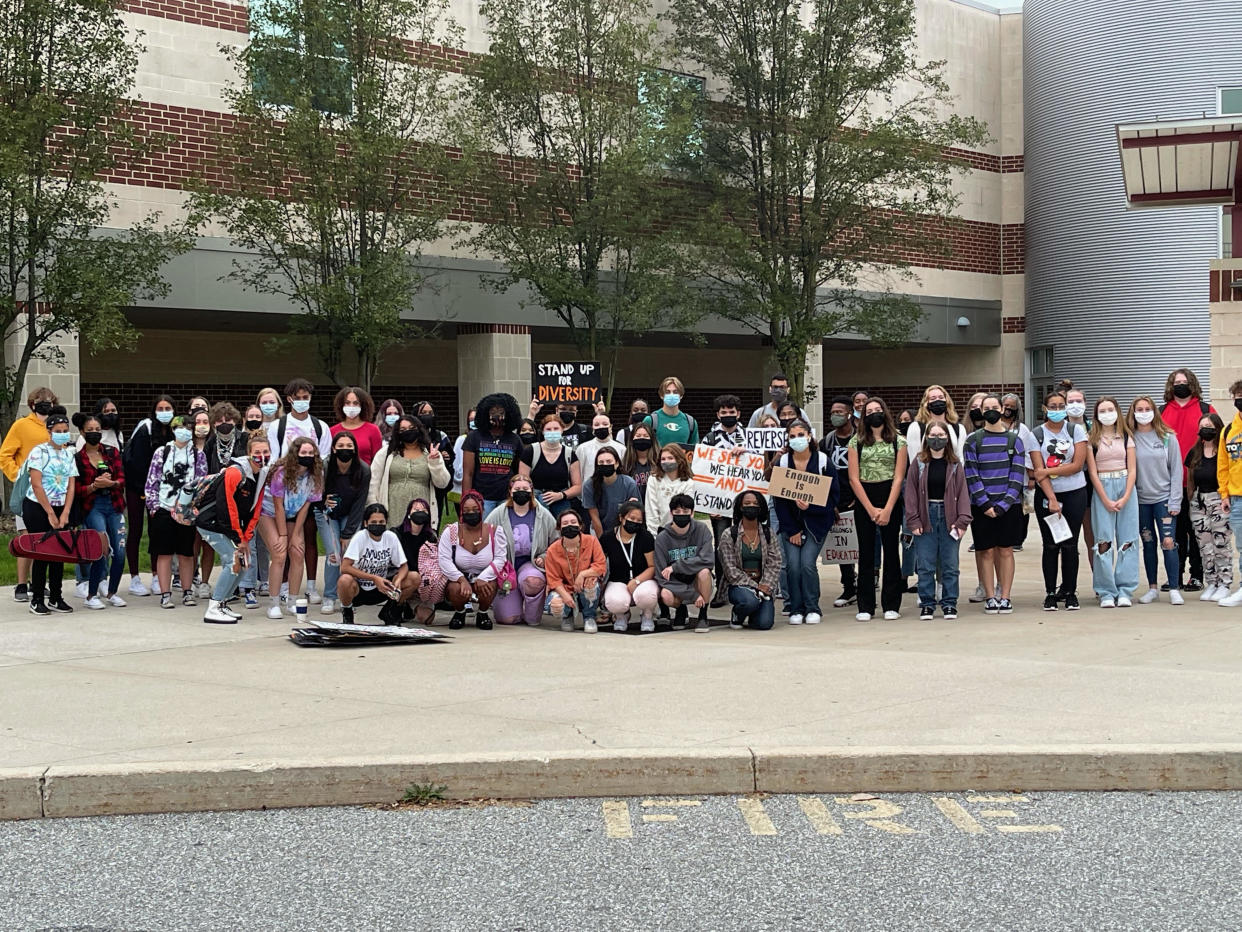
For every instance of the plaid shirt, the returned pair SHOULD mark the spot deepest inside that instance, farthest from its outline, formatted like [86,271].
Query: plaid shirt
[89,471]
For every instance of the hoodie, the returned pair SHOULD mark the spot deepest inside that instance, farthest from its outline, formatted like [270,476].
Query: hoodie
[235,512]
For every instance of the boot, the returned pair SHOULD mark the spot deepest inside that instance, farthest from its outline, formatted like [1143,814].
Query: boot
[217,614]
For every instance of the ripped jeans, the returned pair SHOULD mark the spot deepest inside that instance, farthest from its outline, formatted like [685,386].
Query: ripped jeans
[1155,523]
[1115,565]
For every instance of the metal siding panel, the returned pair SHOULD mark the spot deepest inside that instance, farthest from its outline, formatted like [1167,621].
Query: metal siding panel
[1121,295]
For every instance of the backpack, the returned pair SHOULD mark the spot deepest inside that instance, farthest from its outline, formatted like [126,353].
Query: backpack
[1011,440]
[195,496]
[280,430]
[1204,408]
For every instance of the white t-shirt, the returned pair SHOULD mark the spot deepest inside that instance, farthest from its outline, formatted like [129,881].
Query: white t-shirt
[1058,448]
[957,437]
[295,429]
[381,557]
[457,463]
[587,451]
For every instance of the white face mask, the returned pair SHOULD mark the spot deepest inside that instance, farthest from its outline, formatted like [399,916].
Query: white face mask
[1076,409]
[1144,417]
[1107,418]
[351,410]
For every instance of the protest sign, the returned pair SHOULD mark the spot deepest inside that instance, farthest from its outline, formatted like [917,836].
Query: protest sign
[567,382]
[719,477]
[765,439]
[808,487]
[841,544]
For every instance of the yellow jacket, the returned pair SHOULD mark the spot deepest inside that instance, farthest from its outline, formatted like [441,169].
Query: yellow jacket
[1229,458]
[23,436]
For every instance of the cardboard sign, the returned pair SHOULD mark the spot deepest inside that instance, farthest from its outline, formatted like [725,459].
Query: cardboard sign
[765,439]
[567,383]
[800,486]
[719,477]
[841,544]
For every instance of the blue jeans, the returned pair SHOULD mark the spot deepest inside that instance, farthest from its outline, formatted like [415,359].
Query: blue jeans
[1155,523]
[103,517]
[587,602]
[1235,525]
[227,582]
[490,506]
[750,608]
[1114,572]
[559,508]
[936,548]
[330,532]
[803,574]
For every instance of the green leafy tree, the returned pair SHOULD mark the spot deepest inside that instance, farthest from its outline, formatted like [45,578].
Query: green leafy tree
[582,198]
[66,73]
[825,163]
[338,169]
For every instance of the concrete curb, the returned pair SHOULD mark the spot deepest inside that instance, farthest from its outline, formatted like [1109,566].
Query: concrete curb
[62,791]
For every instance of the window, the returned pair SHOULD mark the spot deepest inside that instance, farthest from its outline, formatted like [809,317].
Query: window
[1230,100]
[674,104]
[297,47]
[1041,379]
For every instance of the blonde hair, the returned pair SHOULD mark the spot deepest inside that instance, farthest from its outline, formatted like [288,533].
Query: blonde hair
[925,417]
[280,402]
[1097,429]
[675,382]
[1157,422]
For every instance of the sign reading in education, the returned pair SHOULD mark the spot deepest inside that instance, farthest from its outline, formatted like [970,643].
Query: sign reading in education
[567,382]
[808,487]
[841,544]
[720,476]
[765,439]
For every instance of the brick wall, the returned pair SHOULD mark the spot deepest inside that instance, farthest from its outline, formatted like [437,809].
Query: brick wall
[1013,248]
[1013,325]
[898,397]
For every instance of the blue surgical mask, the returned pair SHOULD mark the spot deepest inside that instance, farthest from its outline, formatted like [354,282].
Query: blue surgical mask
[672,399]
[60,437]
[268,408]
[391,419]
[799,444]
[163,416]
[182,434]
[552,436]
[472,425]
[1057,416]
[301,405]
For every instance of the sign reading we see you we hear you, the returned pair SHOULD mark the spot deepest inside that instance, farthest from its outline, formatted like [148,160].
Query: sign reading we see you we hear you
[567,382]
[720,476]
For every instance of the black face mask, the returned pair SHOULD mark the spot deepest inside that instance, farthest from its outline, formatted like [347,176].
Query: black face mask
[570,531]
[874,419]
[750,512]
[606,470]
[566,417]
[344,455]
[429,421]
[93,437]
[642,444]
[1011,413]
[903,428]
[638,417]
[937,407]
[1181,391]
[109,421]
[937,443]
[729,421]
[498,423]
[253,424]
[527,438]
[376,530]
[633,527]
[992,416]
[408,436]
[682,520]
[419,518]
[521,497]
[307,461]
[224,429]
[1208,433]
[786,421]
[43,407]
[602,433]
[472,518]
[1237,403]
[976,417]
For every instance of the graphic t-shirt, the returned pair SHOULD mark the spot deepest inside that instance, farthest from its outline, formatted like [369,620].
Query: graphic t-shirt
[381,557]
[680,428]
[523,536]
[1058,450]
[495,460]
[57,467]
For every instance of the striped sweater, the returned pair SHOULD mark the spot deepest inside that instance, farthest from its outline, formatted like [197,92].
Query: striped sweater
[993,477]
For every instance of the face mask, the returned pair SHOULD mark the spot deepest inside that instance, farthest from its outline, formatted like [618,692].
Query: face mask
[93,437]
[567,417]
[109,421]
[261,459]
[799,444]
[570,531]
[408,436]
[307,461]
[642,444]
[182,434]
[976,416]
[472,519]
[202,430]
[857,414]
[1107,418]
[1057,416]
[521,497]
[682,520]
[607,470]
[1076,408]
[351,411]
[376,530]
[527,438]
[750,512]
[1208,433]
[1181,391]
[391,419]
[43,407]
[937,443]
[937,407]
[903,428]
[638,417]
[992,416]
[61,437]
[429,420]
[839,420]
[1144,417]
[498,423]
[633,527]
[602,433]
[419,518]
[668,465]
[344,455]
[1010,413]
[786,421]
[225,429]
[672,400]
[473,426]
[874,419]
[163,416]
[252,424]
[300,405]
[778,394]
[552,436]
[729,421]
[1237,403]
[268,408]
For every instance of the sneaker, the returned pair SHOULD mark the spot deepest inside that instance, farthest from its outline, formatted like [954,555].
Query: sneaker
[82,590]
[734,622]
[891,616]
[845,598]
[1071,602]
[312,594]
[567,621]
[166,600]
[1017,549]
[863,616]
[785,608]
[927,612]
[1005,607]
[228,609]
[216,615]
[796,619]
[971,549]
[1220,593]
[176,581]
[1149,596]
[136,586]
[482,622]
[264,592]
[589,625]
[1193,586]
[1164,588]
[1123,601]
[94,602]
[1175,597]
[680,618]
[103,589]
[990,607]
[1050,602]
[327,607]
[979,596]
[38,608]
[274,612]
[187,598]
[284,589]
[702,627]
[949,612]
[21,593]
[203,590]
[155,586]
[814,618]
[347,617]
[646,624]
[1108,602]
[1231,600]
[57,604]
[621,623]
[116,601]
[252,600]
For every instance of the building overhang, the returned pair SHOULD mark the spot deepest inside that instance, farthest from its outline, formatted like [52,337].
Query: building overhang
[1182,163]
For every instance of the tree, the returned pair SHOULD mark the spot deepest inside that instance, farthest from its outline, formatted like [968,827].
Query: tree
[582,197]
[825,163]
[339,167]
[66,69]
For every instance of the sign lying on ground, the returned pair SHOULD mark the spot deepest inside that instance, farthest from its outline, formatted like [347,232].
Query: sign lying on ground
[567,382]
[841,544]
[808,487]
[765,439]
[720,476]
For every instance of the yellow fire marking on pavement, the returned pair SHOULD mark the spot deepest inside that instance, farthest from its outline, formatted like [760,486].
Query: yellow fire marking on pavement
[672,802]
[818,815]
[998,813]
[956,813]
[617,818]
[1029,828]
[881,815]
[756,817]
[660,817]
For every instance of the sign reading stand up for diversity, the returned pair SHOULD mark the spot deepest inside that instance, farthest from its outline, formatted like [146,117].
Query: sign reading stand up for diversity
[567,382]
[720,476]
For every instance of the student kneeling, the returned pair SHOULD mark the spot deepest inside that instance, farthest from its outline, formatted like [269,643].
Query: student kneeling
[750,555]
[684,556]
[374,570]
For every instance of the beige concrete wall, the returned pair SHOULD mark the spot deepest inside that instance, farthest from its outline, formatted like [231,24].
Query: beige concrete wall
[1226,336]
[492,362]
[926,366]
[62,379]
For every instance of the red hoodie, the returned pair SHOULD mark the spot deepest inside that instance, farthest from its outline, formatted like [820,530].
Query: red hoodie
[1183,418]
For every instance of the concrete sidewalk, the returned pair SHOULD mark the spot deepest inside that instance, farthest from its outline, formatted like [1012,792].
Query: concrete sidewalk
[128,688]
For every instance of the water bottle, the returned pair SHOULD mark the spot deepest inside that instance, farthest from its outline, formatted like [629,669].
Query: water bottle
[300,608]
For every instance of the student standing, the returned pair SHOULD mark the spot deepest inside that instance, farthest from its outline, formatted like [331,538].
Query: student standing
[1076,414]
[49,499]
[606,490]
[295,483]
[1160,473]
[803,526]
[936,405]
[1059,460]
[672,479]
[601,439]
[1112,464]
[355,412]
[338,516]
[630,552]
[639,410]
[671,424]
[491,454]
[173,466]
[26,434]
[877,471]
[101,481]
[552,468]
[640,457]
[1182,411]
[995,466]
[390,410]
[778,391]
[411,467]
[1207,516]
[937,508]
[1229,478]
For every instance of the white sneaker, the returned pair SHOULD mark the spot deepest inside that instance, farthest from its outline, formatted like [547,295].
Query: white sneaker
[204,590]
[82,590]
[980,595]
[621,623]
[862,616]
[274,612]
[327,607]
[116,601]
[217,614]
[1207,594]
[795,619]
[891,616]
[813,618]
[155,585]
[103,589]
[1175,597]
[1108,602]
[136,587]
[94,602]
[313,596]
[589,626]
[1123,601]
[289,605]
[1220,593]
[1232,600]
[1149,596]
[647,624]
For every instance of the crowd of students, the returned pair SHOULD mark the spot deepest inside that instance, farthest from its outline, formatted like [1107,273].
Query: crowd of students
[597,521]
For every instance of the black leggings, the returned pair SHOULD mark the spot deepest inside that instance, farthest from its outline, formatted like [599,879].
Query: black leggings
[42,572]
[1064,554]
